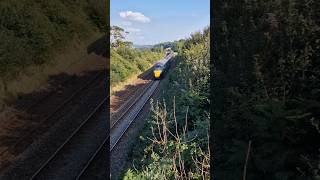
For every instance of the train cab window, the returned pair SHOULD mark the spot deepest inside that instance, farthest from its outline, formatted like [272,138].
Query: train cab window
[158,66]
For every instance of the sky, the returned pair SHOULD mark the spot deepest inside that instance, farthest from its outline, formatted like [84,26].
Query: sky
[153,21]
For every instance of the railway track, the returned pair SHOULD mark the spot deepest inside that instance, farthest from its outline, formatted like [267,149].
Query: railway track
[124,118]
[121,125]
[29,136]
[49,168]
[116,115]
[68,151]
[119,128]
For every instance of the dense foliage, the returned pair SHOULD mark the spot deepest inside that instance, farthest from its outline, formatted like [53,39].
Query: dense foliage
[175,139]
[266,89]
[30,30]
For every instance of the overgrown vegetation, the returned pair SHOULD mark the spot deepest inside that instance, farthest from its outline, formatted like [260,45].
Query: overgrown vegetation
[31,31]
[174,143]
[266,89]
[127,61]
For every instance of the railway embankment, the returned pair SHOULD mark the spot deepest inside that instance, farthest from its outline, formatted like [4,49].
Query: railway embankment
[62,99]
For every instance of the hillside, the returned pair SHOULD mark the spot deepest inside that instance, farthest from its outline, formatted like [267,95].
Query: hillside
[127,62]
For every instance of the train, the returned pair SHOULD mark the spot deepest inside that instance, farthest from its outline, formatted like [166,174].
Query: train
[162,66]
[168,51]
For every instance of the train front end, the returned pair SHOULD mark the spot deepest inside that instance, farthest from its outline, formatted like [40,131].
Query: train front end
[157,73]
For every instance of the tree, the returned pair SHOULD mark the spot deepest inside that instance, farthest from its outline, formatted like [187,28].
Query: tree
[117,36]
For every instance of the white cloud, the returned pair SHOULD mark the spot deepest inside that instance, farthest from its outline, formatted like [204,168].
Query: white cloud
[134,30]
[134,16]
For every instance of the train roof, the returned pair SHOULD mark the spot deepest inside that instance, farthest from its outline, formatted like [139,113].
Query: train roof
[162,62]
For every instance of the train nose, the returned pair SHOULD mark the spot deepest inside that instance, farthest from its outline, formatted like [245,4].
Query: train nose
[157,73]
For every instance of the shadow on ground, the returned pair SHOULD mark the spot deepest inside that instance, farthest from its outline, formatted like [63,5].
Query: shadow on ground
[147,75]
[100,47]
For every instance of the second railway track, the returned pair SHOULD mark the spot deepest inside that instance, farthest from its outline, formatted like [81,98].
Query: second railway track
[69,158]
[39,141]
[26,138]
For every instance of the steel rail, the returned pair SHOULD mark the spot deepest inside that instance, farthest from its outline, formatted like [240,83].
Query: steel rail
[90,161]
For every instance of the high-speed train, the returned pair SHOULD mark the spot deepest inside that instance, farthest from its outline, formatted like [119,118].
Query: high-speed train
[162,66]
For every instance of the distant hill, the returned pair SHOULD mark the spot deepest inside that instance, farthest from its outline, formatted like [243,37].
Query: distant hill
[137,46]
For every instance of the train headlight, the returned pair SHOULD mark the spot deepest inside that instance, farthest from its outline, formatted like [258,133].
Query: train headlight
[157,73]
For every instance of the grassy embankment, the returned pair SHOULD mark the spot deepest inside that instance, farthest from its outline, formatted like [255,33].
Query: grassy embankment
[174,142]
[127,63]
[42,38]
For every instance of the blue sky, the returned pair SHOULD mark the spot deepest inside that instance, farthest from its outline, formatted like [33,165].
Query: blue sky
[153,21]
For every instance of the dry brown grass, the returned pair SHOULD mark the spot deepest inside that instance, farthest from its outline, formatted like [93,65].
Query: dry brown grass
[120,86]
